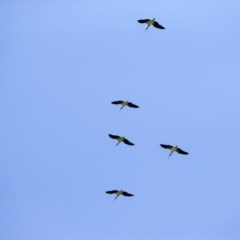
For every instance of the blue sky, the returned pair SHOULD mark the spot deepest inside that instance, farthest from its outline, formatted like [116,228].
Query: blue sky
[62,63]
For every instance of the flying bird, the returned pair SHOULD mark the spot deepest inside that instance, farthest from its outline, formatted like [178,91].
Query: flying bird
[120,139]
[173,149]
[118,193]
[150,22]
[125,103]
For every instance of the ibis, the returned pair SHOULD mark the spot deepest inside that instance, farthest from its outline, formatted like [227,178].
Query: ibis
[173,149]
[150,22]
[118,193]
[120,139]
[125,103]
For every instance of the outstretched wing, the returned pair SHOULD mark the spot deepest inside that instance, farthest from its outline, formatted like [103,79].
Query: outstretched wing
[179,150]
[127,194]
[113,136]
[128,142]
[166,146]
[132,105]
[111,192]
[117,102]
[157,25]
[143,20]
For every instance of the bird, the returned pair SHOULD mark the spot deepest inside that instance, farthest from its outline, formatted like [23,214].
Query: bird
[173,149]
[118,193]
[125,103]
[151,22]
[120,139]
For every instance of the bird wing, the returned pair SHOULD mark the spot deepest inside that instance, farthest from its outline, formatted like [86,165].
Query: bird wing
[179,150]
[112,191]
[132,105]
[157,25]
[127,194]
[143,20]
[127,142]
[113,136]
[117,102]
[166,146]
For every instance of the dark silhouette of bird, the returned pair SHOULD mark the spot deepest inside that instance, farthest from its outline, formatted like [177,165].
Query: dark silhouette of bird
[119,192]
[173,149]
[125,103]
[150,22]
[120,139]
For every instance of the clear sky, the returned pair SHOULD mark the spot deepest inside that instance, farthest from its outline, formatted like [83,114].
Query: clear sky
[61,65]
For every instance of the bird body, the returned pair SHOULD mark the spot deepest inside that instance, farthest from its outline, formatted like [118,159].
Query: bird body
[119,192]
[125,103]
[150,22]
[120,139]
[173,149]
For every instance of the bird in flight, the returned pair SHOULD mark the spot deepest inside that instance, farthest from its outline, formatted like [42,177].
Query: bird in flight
[125,103]
[120,139]
[150,22]
[118,193]
[173,149]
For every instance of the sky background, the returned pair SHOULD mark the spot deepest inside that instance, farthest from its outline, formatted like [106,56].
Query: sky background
[61,65]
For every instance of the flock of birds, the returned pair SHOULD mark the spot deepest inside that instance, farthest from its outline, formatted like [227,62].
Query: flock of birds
[149,22]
